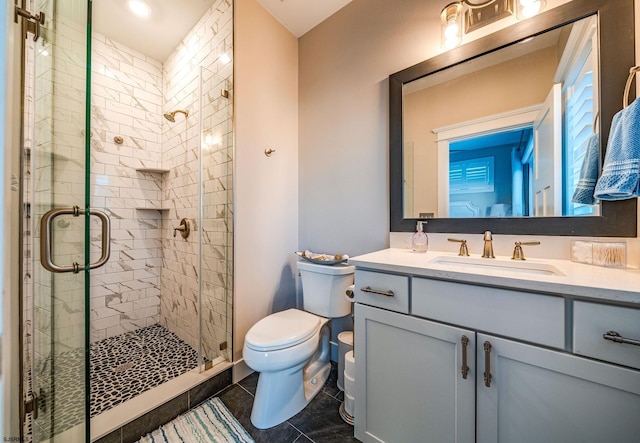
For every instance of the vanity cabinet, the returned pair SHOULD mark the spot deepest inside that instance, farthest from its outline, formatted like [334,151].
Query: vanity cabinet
[409,382]
[541,395]
[523,383]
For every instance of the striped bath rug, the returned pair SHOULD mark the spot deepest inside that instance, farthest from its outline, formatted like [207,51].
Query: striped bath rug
[209,422]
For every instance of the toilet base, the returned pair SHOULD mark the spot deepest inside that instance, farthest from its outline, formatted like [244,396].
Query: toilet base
[280,398]
[282,394]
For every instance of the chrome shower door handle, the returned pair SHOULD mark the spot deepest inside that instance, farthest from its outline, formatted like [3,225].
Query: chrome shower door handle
[46,230]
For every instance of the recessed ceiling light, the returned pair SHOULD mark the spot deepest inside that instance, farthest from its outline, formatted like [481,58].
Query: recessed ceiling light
[140,8]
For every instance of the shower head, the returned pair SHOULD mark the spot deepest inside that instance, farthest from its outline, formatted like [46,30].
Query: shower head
[171,116]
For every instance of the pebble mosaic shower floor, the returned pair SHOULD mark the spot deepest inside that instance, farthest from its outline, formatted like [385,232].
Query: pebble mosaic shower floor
[121,368]
[126,365]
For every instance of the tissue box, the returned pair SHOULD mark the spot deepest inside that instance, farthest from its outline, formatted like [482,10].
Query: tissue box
[607,254]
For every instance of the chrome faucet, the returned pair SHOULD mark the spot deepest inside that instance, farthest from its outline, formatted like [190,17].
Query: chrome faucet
[487,251]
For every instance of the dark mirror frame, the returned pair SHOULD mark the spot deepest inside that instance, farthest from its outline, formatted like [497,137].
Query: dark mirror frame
[617,55]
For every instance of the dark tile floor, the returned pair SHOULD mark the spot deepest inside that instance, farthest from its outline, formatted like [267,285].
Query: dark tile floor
[319,422]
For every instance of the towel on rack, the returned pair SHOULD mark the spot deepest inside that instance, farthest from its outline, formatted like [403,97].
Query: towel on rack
[620,177]
[588,173]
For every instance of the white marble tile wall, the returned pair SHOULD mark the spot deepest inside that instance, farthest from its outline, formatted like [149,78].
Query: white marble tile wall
[202,47]
[68,100]
[57,151]
[126,101]
[151,275]
[27,196]
[217,215]
[41,195]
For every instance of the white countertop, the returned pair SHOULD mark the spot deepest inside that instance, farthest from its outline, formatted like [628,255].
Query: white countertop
[579,280]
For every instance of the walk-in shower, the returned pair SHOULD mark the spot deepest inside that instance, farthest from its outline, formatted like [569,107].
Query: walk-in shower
[161,306]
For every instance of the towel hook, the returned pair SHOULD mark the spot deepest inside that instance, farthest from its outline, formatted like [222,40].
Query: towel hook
[627,87]
[595,122]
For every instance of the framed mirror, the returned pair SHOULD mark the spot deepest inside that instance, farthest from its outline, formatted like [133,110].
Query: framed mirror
[474,143]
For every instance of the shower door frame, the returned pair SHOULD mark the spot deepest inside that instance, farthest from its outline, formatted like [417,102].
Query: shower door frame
[56,154]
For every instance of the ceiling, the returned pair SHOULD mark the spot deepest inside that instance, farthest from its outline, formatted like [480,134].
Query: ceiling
[170,20]
[300,16]
[155,36]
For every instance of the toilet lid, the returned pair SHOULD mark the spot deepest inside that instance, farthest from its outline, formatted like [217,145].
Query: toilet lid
[282,330]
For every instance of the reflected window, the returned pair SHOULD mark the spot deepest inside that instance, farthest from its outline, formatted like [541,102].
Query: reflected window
[579,102]
[470,176]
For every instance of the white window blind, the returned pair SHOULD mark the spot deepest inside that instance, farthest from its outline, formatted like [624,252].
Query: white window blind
[578,125]
[474,175]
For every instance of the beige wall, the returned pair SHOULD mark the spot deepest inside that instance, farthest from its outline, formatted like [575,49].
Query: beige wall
[344,66]
[467,98]
[266,191]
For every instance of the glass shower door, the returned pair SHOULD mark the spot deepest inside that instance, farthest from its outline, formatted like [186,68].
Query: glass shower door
[55,125]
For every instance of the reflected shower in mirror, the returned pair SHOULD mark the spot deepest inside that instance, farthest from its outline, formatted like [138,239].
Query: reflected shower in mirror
[505,134]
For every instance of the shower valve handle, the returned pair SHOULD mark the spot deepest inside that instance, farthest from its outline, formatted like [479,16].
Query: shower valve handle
[183,228]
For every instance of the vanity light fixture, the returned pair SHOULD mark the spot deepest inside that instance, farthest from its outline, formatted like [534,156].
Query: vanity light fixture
[463,16]
[140,8]
[529,8]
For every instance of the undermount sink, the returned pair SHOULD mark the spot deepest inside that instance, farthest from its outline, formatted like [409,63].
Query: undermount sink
[502,265]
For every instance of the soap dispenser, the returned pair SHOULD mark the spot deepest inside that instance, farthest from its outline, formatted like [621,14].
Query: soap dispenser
[420,241]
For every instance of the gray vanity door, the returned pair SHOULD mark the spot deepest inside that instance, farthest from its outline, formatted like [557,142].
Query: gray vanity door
[539,395]
[409,382]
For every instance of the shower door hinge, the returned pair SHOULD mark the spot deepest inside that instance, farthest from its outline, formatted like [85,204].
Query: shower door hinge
[32,406]
[33,21]
[223,345]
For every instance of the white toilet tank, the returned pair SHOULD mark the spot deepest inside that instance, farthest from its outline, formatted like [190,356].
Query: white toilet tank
[324,287]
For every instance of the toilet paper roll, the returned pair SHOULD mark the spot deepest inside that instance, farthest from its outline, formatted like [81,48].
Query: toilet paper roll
[349,385]
[349,404]
[350,364]
[345,344]
[350,294]
[346,337]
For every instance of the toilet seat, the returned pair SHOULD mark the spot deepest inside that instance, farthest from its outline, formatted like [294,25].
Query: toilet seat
[282,330]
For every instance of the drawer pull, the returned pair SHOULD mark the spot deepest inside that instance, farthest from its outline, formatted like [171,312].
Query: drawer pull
[375,291]
[465,366]
[615,337]
[487,364]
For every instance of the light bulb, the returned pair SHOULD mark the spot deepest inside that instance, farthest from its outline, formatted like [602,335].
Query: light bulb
[531,9]
[451,32]
[140,8]
[451,43]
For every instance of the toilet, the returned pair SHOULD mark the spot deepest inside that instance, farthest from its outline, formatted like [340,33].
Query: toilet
[290,349]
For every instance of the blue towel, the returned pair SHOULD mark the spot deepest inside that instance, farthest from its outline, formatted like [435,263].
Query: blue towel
[588,173]
[620,177]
